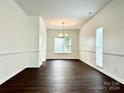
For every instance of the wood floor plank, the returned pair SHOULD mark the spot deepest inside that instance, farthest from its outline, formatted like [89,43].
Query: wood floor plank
[61,76]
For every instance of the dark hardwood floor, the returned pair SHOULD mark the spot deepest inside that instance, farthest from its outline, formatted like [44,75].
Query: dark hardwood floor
[61,76]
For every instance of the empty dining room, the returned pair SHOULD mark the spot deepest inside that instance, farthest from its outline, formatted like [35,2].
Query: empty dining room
[61,46]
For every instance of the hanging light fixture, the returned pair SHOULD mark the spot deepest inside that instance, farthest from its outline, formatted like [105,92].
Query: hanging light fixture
[62,34]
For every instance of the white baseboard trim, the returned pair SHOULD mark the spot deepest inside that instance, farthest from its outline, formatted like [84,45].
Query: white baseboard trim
[106,73]
[40,64]
[61,58]
[33,67]
[10,76]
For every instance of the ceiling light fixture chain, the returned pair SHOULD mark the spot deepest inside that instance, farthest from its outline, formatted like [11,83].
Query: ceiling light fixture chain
[63,34]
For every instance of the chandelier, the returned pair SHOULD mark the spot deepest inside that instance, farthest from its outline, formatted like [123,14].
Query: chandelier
[62,34]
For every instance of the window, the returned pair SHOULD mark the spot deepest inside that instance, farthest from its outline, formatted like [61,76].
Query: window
[99,47]
[62,45]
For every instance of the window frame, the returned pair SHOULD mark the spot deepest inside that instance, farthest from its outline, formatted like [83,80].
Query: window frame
[63,52]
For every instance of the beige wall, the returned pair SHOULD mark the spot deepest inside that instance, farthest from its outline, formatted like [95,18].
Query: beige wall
[112,19]
[74,35]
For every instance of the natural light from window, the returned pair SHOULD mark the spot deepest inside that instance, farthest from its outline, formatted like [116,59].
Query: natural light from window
[62,45]
[99,47]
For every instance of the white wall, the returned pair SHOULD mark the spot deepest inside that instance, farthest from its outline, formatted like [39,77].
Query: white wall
[13,26]
[36,42]
[73,34]
[19,40]
[43,40]
[32,55]
[112,19]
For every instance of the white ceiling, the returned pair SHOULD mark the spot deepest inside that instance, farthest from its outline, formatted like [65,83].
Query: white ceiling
[74,13]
